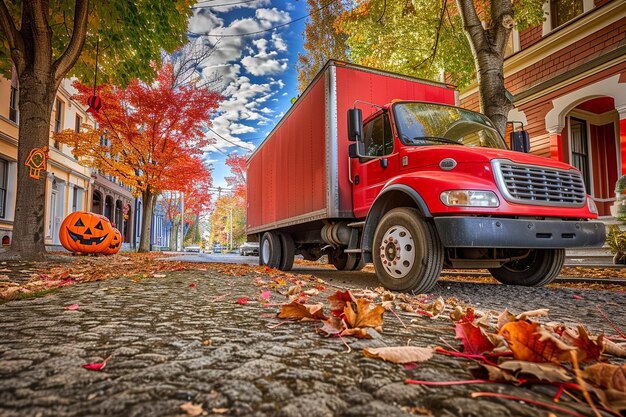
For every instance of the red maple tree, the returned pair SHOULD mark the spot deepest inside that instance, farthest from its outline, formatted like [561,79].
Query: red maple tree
[150,136]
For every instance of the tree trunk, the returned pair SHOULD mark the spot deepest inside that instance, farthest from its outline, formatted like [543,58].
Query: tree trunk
[493,99]
[37,91]
[146,221]
[173,235]
[488,46]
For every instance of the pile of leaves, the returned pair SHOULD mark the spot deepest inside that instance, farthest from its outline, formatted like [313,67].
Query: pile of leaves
[22,280]
[507,348]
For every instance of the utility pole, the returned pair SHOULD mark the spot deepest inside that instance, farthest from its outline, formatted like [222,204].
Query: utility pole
[231,230]
[181,228]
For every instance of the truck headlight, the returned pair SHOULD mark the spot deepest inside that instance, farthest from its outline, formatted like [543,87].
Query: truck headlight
[469,198]
[591,205]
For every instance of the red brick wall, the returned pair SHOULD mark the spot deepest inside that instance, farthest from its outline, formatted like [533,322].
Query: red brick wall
[530,36]
[571,56]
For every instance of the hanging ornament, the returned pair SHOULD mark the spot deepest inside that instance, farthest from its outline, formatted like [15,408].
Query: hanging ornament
[94,102]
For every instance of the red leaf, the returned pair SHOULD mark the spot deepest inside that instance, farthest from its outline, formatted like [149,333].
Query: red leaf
[265,295]
[96,366]
[71,307]
[192,285]
[577,297]
[338,302]
[243,301]
[475,342]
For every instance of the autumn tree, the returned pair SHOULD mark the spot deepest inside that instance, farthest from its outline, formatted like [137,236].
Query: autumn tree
[231,208]
[321,41]
[196,196]
[465,40]
[149,135]
[47,41]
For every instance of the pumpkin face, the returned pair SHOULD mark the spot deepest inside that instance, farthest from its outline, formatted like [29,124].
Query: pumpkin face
[85,232]
[115,245]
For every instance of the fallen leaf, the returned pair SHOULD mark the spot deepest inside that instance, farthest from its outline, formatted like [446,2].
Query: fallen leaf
[588,350]
[542,371]
[614,349]
[606,375]
[192,285]
[71,307]
[338,302]
[96,366]
[299,311]
[294,289]
[365,315]
[474,340]
[265,295]
[192,409]
[530,342]
[400,354]
[505,317]
[159,275]
[542,312]
[219,410]
[243,301]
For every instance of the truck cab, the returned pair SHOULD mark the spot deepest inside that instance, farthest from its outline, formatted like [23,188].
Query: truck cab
[436,186]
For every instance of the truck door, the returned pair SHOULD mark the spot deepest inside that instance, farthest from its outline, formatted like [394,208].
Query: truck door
[376,166]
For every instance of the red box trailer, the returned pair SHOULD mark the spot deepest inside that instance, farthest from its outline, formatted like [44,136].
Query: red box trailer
[415,185]
[299,173]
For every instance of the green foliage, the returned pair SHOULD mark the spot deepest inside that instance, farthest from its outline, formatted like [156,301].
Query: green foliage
[421,38]
[616,239]
[130,36]
[620,185]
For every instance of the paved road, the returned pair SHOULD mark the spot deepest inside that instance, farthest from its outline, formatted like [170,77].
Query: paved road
[183,338]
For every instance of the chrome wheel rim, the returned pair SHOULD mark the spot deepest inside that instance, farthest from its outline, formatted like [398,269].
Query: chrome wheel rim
[397,252]
[266,251]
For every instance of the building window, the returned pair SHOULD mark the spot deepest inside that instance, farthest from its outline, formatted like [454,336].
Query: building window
[580,150]
[4,168]
[58,120]
[562,11]
[14,97]
[79,123]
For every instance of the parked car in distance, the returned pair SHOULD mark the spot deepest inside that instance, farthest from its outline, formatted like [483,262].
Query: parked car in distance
[217,248]
[193,248]
[249,248]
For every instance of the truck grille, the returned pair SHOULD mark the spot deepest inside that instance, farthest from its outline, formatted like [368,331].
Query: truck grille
[532,184]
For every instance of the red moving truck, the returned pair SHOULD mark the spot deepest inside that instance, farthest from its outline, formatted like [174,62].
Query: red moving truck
[415,186]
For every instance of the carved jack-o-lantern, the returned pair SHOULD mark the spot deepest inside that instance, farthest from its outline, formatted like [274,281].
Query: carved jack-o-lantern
[85,232]
[115,245]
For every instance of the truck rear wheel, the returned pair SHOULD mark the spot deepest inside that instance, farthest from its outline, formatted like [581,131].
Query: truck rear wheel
[539,268]
[288,251]
[269,250]
[407,253]
[346,261]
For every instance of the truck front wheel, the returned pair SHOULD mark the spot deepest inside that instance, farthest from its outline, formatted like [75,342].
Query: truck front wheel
[539,268]
[407,253]
[269,251]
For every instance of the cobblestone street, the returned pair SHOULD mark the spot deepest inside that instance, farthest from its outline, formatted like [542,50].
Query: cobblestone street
[183,338]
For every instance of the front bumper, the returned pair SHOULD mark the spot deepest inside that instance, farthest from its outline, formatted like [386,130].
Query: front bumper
[488,232]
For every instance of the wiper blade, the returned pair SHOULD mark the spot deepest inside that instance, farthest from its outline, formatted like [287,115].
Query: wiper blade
[417,139]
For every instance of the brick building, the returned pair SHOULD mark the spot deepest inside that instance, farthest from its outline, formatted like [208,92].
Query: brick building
[568,80]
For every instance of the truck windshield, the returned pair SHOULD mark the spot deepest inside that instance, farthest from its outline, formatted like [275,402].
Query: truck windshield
[422,124]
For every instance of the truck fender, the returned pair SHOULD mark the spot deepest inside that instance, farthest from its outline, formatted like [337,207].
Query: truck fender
[396,195]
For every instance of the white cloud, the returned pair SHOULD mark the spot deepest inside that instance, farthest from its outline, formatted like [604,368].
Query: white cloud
[240,129]
[278,42]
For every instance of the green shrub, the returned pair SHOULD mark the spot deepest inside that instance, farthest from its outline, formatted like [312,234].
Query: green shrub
[616,239]
[620,185]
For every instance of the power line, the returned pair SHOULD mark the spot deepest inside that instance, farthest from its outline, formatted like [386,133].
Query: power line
[229,141]
[221,5]
[265,30]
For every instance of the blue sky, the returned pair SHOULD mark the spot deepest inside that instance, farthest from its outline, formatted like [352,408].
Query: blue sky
[256,73]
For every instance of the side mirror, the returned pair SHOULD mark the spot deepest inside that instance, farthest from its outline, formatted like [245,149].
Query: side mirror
[520,141]
[355,124]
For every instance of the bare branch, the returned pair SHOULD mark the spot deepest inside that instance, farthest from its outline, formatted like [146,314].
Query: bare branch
[66,61]
[383,13]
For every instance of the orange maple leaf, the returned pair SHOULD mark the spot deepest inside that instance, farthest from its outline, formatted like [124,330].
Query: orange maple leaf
[365,315]
[299,311]
[530,342]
